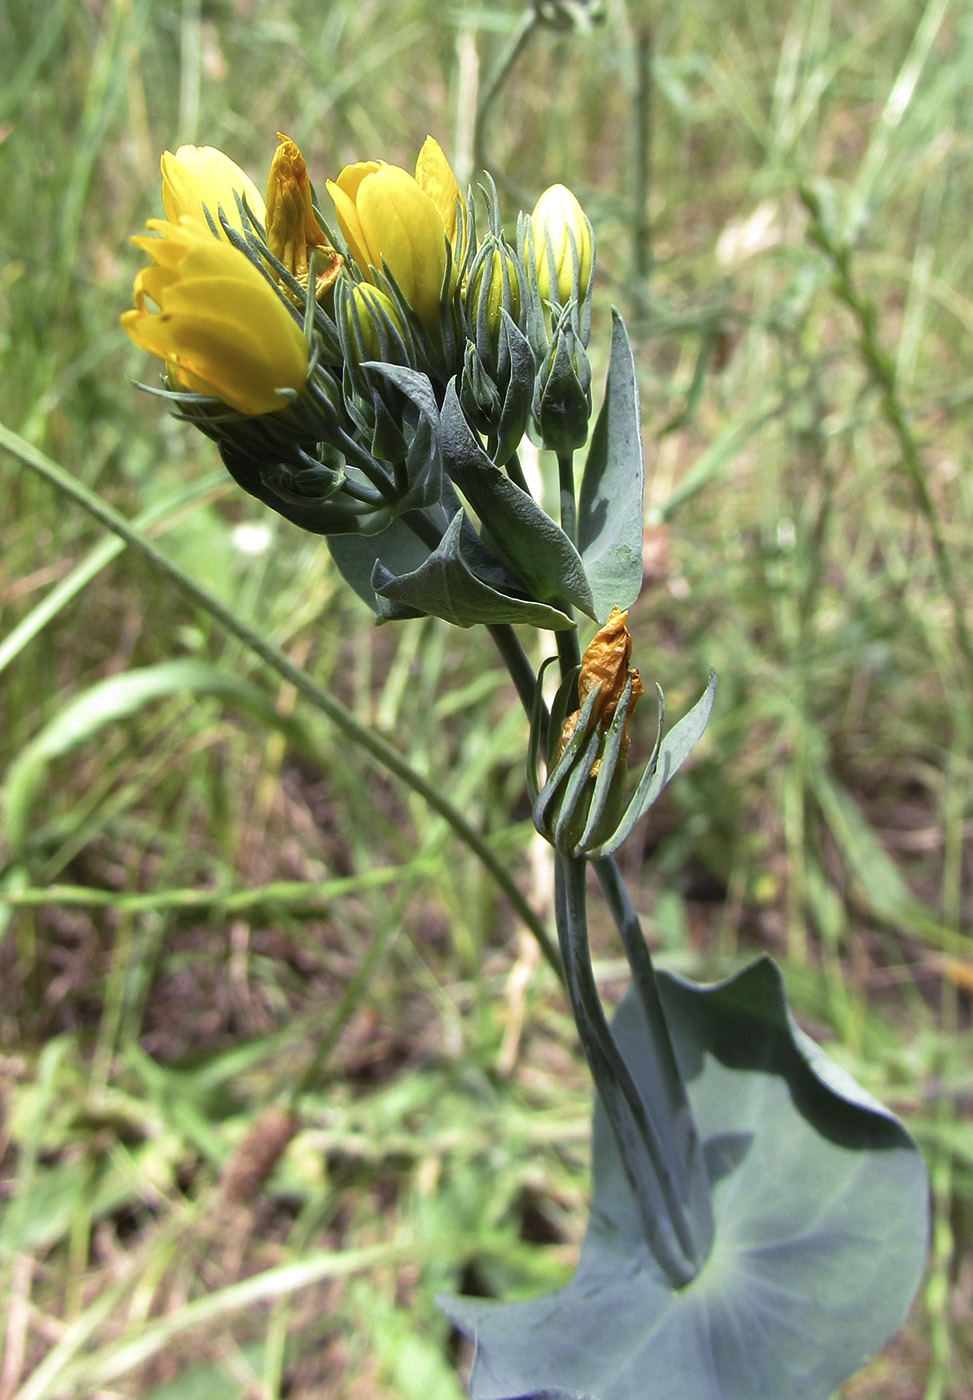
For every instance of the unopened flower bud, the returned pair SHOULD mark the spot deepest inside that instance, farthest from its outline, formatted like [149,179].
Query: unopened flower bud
[201,183]
[563,246]
[293,231]
[493,287]
[562,391]
[401,224]
[374,325]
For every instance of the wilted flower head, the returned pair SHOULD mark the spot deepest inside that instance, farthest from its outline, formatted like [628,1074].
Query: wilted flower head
[391,219]
[605,664]
[581,805]
[201,179]
[561,231]
[220,327]
[293,231]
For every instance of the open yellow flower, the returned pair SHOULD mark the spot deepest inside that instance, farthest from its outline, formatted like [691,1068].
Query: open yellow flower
[389,216]
[292,228]
[558,215]
[197,178]
[220,327]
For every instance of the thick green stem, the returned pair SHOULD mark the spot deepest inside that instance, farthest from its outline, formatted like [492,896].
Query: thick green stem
[642,1131]
[515,658]
[568,651]
[565,478]
[662,1074]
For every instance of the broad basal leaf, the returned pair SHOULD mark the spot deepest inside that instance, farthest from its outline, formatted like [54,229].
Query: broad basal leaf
[820,1204]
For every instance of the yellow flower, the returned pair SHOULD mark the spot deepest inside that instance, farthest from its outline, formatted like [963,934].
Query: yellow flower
[196,178]
[220,327]
[390,217]
[292,229]
[558,215]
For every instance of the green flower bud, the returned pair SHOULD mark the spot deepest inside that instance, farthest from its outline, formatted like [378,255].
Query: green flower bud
[373,326]
[493,286]
[562,390]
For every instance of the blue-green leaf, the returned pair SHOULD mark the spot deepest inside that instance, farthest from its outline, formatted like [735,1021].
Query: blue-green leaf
[398,549]
[525,539]
[668,758]
[610,504]
[820,1199]
[461,583]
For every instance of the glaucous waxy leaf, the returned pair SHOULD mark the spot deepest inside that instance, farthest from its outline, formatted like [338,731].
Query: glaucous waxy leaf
[461,583]
[398,548]
[821,1214]
[525,539]
[668,757]
[610,504]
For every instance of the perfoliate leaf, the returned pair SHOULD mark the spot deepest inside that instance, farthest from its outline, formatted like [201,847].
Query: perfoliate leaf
[461,583]
[524,537]
[820,1204]
[397,548]
[610,504]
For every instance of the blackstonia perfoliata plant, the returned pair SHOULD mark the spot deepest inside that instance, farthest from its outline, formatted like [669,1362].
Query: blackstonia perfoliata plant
[758,1223]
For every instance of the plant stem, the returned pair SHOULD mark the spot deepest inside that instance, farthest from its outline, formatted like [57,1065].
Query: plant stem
[568,650]
[565,477]
[515,47]
[276,659]
[641,225]
[666,1086]
[515,659]
[657,1179]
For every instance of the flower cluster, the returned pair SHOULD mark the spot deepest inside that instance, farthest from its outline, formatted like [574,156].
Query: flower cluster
[373,380]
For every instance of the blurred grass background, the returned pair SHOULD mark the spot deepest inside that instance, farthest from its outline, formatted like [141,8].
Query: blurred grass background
[277,1061]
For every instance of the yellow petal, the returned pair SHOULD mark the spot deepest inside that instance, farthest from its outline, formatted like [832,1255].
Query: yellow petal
[403,227]
[349,223]
[199,178]
[435,178]
[389,217]
[220,327]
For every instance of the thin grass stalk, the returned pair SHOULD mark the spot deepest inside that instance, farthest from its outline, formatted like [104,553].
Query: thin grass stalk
[273,657]
[881,369]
